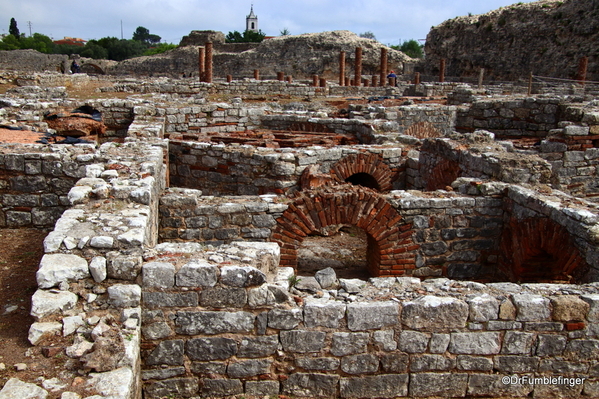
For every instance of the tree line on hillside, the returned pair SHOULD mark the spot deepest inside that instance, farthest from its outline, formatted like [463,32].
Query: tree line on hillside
[111,48]
[142,43]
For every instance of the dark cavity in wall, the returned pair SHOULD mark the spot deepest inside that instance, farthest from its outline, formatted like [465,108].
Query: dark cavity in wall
[364,180]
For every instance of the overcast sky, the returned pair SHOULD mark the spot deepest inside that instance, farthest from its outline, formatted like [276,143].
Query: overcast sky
[391,22]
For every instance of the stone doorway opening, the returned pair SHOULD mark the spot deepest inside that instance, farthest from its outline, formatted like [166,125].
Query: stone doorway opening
[343,249]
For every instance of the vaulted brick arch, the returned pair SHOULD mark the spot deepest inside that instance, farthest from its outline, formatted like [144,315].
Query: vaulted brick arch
[391,251]
[539,250]
[369,164]
[423,130]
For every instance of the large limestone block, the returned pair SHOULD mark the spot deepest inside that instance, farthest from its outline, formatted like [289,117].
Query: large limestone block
[435,313]
[56,268]
[475,343]
[388,386]
[532,307]
[569,308]
[370,316]
[45,303]
[17,389]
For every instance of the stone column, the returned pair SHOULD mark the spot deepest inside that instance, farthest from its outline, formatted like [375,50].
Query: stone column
[202,63]
[366,82]
[323,82]
[358,67]
[229,78]
[374,80]
[257,74]
[383,73]
[481,76]
[315,80]
[289,79]
[347,81]
[341,68]
[280,76]
[442,70]
[208,67]
[582,70]
[417,78]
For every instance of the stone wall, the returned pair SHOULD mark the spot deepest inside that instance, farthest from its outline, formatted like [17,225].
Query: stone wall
[544,37]
[217,169]
[228,331]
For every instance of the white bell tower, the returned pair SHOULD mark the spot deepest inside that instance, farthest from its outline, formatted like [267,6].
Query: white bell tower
[251,21]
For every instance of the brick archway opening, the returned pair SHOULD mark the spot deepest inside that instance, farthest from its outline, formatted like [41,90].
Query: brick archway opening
[364,169]
[539,250]
[364,180]
[390,249]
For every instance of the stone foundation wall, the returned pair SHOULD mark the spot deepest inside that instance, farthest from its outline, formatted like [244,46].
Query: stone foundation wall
[247,170]
[224,335]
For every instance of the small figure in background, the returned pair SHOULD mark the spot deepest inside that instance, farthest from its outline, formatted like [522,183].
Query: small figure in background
[75,68]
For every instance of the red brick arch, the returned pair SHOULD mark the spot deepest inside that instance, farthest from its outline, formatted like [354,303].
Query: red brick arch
[423,130]
[368,163]
[391,251]
[539,250]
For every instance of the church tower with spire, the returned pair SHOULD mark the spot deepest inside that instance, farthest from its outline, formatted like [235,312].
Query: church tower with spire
[251,21]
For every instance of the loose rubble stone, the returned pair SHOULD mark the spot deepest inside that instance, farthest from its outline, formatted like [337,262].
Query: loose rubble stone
[45,303]
[327,278]
[56,268]
[38,331]
[17,389]
[97,267]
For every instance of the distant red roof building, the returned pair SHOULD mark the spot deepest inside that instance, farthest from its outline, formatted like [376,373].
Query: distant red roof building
[71,41]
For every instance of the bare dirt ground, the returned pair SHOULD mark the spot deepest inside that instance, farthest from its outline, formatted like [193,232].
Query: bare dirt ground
[344,251]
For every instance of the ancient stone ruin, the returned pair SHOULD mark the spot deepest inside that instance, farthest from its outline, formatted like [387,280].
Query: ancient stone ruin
[179,235]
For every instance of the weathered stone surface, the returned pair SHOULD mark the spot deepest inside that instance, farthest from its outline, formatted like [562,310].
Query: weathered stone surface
[249,368]
[507,310]
[432,312]
[323,313]
[483,308]
[474,363]
[302,341]
[70,324]
[197,274]
[55,268]
[193,323]
[550,345]
[369,316]
[311,385]
[45,303]
[262,388]
[488,385]
[445,385]
[255,347]
[559,390]
[158,275]
[517,343]
[221,388]
[123,267]
[349,343]
[327,278]
[167,352]
[118,383]
[413,341]
[593,301]
[318,363]
[175,387]
[365,363]
[124,295]
[97,267]
[569,308]
[532,307]
[208,368]
[38,331]
[246,276]
[352,286]
[439,343]
[284,319]
[388,386]
[516,364]
[17,389]
[167,299]
[395,362]
[582,349]
[308,284]
[223,297]
[210,348]
[431,363]
[385,340]
[162,374]
[475,343]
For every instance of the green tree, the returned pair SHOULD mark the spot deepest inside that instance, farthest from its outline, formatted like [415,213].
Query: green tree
[285,32]
[93,50]
[10,42]
[143,35]
[247,37]
[39,42]
[13,30]
[368,35]
[411,48]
